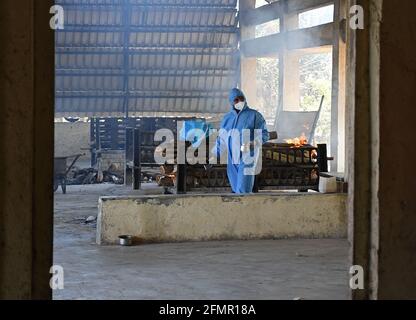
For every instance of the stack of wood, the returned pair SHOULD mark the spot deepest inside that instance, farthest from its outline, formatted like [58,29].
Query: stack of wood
[167,176]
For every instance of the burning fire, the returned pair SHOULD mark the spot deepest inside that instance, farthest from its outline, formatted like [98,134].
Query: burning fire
[299,141]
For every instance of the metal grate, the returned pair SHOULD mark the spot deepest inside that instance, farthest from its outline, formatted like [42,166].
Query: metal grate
[146,57]
[283,167]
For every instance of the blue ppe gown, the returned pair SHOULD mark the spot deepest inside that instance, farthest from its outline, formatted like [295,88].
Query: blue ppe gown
[233,121]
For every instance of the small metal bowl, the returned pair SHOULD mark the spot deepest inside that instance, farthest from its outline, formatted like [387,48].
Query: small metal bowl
[125,240]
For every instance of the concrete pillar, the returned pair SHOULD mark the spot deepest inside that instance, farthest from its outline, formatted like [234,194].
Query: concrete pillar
[338,90]
[248,65]
[248,80]
[291,81]
[382,204]
[396,233]
[342,107]
[360,140]
[290,68]
[26,149]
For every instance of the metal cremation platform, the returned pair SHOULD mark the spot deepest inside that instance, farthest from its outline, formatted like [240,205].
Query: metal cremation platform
[284,167]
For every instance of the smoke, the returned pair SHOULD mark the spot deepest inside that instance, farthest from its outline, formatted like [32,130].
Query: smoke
[274,66]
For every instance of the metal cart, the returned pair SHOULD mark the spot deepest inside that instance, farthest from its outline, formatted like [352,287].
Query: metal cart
[61,171]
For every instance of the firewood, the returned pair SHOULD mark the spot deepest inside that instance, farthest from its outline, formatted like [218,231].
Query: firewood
[167,169]
[165,181]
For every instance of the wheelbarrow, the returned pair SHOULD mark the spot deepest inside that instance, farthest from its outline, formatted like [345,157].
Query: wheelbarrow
[61,171]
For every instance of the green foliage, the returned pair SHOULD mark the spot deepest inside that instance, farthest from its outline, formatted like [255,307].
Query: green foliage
[315,82]
[315,75]
[268,87]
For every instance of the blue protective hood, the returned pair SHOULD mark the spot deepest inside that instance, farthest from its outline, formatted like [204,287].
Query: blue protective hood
[234,93]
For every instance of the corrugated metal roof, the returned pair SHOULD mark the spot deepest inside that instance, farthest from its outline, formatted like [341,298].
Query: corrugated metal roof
[151,56]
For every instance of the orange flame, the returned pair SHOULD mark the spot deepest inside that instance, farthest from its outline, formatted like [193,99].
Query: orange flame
[298,141]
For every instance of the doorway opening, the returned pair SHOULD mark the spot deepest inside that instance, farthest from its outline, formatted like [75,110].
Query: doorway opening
[124,70]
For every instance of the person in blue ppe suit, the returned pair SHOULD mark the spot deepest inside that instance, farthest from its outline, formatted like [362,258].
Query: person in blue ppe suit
[241,119]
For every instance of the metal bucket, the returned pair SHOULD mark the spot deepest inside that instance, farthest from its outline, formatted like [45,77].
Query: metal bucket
[126,240]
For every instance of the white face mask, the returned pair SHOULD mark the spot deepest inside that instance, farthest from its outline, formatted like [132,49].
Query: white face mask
[240,106]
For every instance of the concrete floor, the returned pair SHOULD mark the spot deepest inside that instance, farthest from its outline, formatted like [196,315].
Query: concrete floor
[280,269]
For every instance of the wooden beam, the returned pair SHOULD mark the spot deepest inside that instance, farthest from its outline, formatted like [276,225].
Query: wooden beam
[248,67]
[253,17]
[281,57]
[276,10]
[304,5]
[318,36]
[335,88]
[262,47]
[292,40]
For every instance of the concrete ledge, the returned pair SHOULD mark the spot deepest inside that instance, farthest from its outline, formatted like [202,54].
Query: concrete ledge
[222,217]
